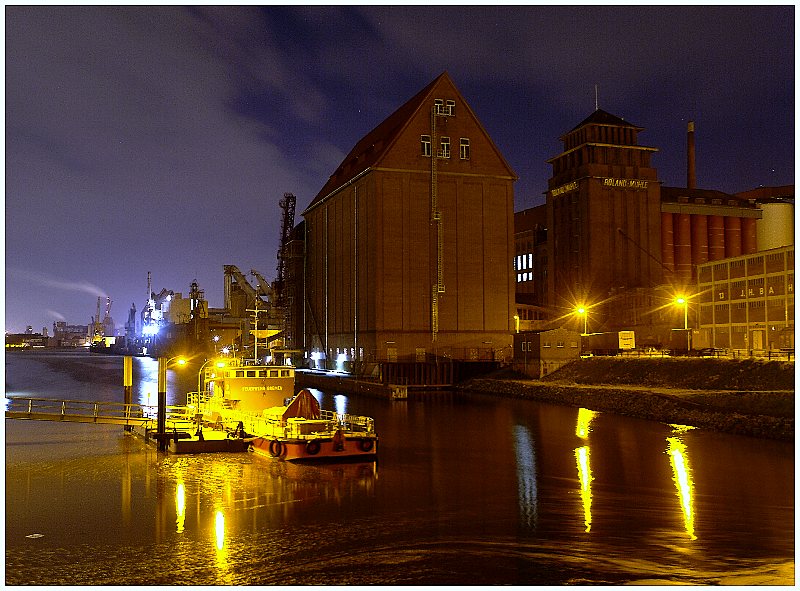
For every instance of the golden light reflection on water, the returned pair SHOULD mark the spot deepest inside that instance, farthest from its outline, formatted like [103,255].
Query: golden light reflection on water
[219,529]
[582,430]
[585,476]
[585,417]
[180,505]
[221,556]
[682,476]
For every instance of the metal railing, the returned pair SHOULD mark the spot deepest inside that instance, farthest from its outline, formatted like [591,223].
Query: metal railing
[86,411]
[275,426]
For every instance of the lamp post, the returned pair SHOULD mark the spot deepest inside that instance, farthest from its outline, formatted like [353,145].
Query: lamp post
[581,311]
[161,420]
[685,303]
[200,375]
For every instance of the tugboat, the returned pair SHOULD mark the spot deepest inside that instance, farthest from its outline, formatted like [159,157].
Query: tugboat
[256,402]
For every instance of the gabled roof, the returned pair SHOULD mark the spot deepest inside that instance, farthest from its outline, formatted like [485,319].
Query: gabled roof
[601,117]
[370,149]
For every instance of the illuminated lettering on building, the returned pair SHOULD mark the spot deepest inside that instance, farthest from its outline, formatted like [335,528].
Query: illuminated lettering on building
[564,188]
[624,183]
[752,292]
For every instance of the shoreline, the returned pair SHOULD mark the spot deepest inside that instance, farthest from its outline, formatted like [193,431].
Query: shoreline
[717,410]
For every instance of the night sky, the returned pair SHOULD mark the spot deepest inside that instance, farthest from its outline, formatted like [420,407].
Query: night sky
[162,138]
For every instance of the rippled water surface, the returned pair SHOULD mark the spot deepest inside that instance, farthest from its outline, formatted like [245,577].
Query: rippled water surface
[466,490]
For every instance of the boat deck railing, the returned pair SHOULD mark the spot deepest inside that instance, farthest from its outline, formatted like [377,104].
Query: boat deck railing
[86,411]
[271,425]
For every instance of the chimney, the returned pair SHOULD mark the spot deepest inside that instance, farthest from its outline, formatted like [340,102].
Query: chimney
[691,178]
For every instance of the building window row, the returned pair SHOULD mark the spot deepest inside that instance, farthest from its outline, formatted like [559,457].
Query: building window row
[444,147]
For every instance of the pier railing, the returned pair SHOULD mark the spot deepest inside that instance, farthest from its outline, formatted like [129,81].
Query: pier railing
[85,411]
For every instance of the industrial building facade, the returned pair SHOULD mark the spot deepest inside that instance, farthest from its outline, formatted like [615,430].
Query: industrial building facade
[407,246]
[621,246]
[747,302]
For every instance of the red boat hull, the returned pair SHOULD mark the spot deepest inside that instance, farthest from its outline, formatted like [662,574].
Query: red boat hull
[316,449]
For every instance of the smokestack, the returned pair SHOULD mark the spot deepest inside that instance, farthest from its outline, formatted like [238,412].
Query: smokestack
[691,178]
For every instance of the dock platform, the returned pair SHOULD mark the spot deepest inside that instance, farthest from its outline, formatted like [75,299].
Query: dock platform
[186,441]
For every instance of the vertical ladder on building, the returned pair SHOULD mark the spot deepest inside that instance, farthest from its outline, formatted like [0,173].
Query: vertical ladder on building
[438,110]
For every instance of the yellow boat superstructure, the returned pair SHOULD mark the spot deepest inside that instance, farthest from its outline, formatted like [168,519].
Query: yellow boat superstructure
[257,403]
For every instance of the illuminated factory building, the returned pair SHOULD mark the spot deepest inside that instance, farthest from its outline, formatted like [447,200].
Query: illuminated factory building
[611,239]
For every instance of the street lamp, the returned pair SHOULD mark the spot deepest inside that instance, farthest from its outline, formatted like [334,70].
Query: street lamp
[198,413]
[161,421]
[200,375]
[581,311]
[682,301]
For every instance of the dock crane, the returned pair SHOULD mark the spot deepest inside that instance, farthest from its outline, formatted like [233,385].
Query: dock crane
[99,323]
[287,204]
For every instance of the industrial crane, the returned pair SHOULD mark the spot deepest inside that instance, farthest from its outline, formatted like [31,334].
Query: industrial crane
[287,204]
[98,325]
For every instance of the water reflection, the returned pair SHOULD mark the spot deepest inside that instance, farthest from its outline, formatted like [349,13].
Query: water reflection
[585,417]
[340,403]
[585,476]
[219,529]
[582,430]
[682,476]
[180,505]
[526,475]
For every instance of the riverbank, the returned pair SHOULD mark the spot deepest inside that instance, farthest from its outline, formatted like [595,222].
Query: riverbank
[745,397]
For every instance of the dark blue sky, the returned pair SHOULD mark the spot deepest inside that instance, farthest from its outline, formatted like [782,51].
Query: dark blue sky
[162,138]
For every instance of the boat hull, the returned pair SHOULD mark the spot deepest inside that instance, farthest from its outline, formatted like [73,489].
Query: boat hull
[327,448]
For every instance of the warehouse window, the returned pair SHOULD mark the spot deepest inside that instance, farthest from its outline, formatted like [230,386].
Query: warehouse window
[425,141]
[444,150]
[464,148]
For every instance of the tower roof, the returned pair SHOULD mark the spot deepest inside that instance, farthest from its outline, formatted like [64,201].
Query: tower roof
[601,117]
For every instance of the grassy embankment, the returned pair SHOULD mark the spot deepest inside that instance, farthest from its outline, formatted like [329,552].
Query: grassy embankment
[747,397]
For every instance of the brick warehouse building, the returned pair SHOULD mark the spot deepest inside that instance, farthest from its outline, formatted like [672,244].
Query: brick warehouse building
[408,247]
[618,242]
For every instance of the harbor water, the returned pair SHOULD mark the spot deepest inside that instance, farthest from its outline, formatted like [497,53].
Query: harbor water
[466,490]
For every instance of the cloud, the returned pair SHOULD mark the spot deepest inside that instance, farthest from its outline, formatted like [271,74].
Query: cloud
[66,285]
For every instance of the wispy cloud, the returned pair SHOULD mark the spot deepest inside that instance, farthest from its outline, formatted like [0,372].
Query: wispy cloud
[44,280]
[56,315]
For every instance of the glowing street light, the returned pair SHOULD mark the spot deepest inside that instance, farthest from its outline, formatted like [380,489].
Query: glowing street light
[582,311]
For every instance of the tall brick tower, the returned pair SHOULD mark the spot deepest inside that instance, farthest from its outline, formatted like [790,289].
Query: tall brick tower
[603,215]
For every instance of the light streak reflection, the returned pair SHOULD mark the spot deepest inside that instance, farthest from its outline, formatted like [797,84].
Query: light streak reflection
[682,476]
[585,476]
[180,505]
[582,430]
[526,475]
[585,417]
[219,529]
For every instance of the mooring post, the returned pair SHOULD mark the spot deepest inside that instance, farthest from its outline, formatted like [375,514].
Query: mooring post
[127,385]
[161,423]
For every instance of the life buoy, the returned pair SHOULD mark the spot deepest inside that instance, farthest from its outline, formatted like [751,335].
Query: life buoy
[366,444]
[276,448]
[313,447]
